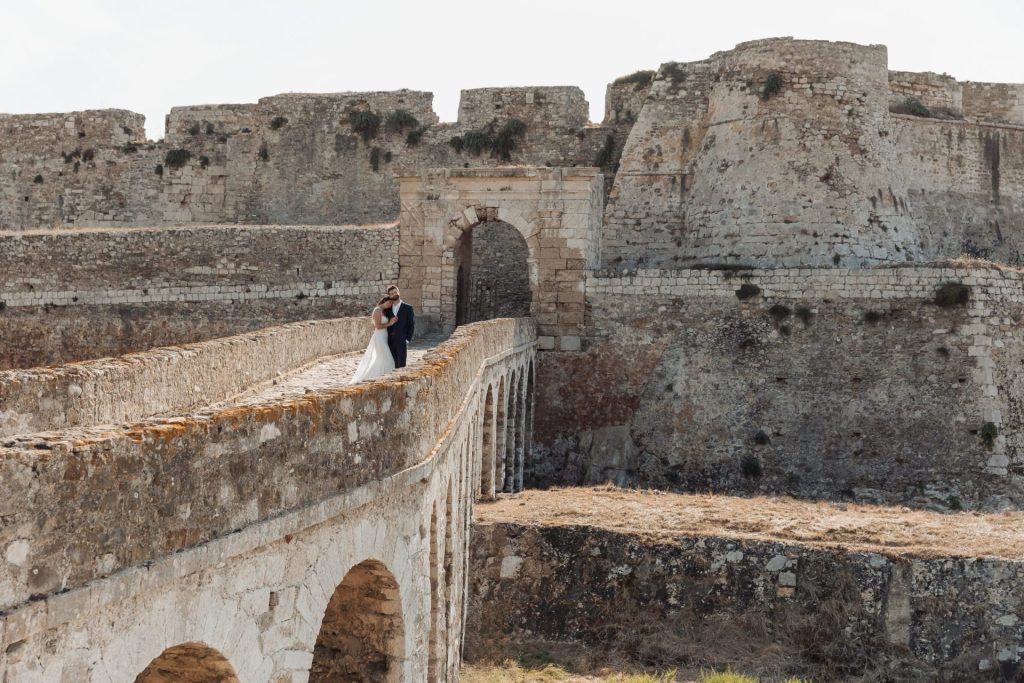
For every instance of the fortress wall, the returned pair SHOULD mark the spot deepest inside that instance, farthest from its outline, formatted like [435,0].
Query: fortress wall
[863,367]
[933,90]
[965,186]
[832,613]
[179,378]
[288,159]
[994,102]
[197,478]
[719,169]
[88,166]
[72,295]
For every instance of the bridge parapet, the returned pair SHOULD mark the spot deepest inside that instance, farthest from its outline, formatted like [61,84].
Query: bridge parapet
[84,504]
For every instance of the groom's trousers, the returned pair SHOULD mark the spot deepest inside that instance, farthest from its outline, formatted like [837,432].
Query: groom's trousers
[398,347]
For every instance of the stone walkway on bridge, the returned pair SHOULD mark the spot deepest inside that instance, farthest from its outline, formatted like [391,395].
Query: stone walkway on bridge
[330,372]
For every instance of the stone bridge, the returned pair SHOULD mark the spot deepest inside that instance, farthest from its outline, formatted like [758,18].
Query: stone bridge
[235,512]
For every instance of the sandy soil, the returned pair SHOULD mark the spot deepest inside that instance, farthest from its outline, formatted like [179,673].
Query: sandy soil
[659,516]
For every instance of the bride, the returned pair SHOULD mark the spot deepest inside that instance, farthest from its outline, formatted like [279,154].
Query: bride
[378,359]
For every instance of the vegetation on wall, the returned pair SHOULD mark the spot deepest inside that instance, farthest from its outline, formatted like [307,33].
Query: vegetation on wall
[604,156]
[400,120]
[772,85]
[638,79]
[915,107]
[277,122]
[499,141]
[366,123]
[176,158]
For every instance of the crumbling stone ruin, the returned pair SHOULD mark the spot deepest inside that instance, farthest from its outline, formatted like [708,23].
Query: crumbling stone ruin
[776,290]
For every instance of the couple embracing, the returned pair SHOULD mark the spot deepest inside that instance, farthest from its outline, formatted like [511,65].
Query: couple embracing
[393,325]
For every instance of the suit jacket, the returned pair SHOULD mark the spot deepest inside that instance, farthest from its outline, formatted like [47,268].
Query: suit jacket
[406,325]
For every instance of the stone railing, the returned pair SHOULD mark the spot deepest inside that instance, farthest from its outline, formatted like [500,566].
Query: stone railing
[71,502]
[174,378]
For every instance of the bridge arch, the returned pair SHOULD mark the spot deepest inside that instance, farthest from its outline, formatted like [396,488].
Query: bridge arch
[362,636]
[496,270]
[191,662]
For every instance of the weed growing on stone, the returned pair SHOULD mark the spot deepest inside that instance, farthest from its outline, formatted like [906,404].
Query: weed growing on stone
[747,291]
[751,467]
[366,123]
[989,432]
[772,85]
[414,136]
[400,120]
[176,158]
[638,79]
[951,294]
[605,155]
[38,180]
[375,159]
[277,122]
[264,155]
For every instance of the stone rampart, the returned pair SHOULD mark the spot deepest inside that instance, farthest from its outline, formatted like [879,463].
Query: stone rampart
[939,94]
[966,187]
[994,102]
[291,159]
[745,380]
[73,295]
[180,482]
[178,378]
[703,597]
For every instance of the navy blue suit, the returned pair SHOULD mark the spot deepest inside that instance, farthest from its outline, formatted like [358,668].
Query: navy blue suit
[400,334]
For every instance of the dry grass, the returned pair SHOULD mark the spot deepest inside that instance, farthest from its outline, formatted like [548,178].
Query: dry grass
[661,517]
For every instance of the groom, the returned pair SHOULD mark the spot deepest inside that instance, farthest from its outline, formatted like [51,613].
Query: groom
[399,334]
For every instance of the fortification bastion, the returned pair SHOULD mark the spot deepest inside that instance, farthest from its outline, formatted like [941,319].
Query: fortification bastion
[781,271]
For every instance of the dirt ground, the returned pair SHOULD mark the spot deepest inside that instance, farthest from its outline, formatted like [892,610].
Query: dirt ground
[660,516]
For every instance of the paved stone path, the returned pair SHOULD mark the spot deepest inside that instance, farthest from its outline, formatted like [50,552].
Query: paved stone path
[325,373]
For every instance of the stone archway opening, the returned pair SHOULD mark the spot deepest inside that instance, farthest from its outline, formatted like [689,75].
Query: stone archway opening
[362,637]
[492,273]
[189,663]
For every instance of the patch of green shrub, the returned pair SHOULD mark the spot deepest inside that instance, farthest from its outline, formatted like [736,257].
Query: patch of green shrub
[951,294]
[761,438]
[804,314]
[414,136]
[366,123]
[638,79]
[375,159]
[911,106]
[159,170]
[872,317]
[204,161]
[277,122]
[264,153]
[400,120]
[772,85]
[747,291]
[500,141]
[750,467]
[954,503]
[129,148]
[38,180]
[176,158]
[194,129]
[989,432]
[779,312]
[209,129]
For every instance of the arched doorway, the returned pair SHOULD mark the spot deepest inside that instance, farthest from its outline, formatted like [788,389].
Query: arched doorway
[362,637]
[189,663]
[492,273]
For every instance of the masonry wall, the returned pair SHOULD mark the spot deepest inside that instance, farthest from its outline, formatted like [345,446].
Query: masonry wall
[838,614]
[288,159]
[73,295]
[199,477]
[939,93]
[180,378]
[820,383]
[499,284]
[965,186]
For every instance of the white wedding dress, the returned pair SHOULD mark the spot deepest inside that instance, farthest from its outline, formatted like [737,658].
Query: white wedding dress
[377,360]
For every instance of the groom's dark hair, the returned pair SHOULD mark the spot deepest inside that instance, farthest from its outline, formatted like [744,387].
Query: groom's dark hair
[390,287]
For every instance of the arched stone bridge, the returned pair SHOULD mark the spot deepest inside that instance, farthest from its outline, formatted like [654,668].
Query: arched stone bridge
[292,533]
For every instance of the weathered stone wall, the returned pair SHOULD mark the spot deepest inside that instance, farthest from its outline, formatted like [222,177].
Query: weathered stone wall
[289,159]
[940,93]
[73,295]
[823,383]
[966,186]
[179,378]
[766,154]
[499,281]
[994,102]
[196,478]
[836,613]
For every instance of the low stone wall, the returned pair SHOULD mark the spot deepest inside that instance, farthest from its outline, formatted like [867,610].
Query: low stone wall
[81,504]
[72,295]
[825,614]
[812,382]
[136,386]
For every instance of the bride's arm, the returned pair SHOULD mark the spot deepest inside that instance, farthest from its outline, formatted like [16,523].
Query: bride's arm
[378,323]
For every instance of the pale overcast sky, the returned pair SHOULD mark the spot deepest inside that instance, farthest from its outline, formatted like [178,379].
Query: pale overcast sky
[149,56]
